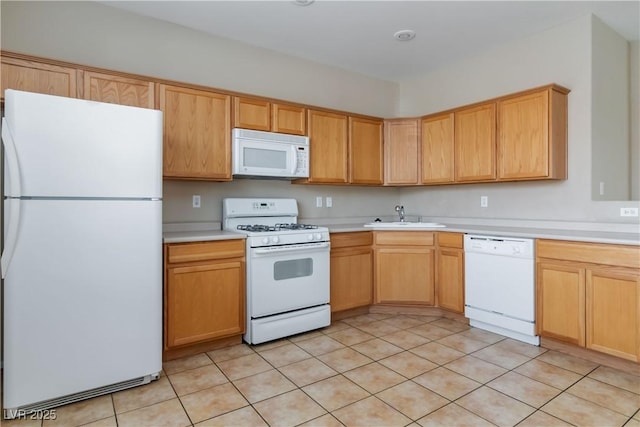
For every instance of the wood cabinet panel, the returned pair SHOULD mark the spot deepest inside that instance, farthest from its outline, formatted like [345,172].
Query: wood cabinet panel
[190,252]
[290,119]
[328,147]
[560,302]
[351,278]
[343,240]
[204,302]
[365,151]
[438,152]
[197,133]
[450,240]
[401,152]
[450,279]
[32,76]
[475,143]
[251,113]
[595,253]
[404,275]
[613,312]
[118,90]
[532,135]
[404,238]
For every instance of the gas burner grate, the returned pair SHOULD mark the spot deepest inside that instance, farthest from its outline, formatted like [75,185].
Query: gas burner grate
[258,228]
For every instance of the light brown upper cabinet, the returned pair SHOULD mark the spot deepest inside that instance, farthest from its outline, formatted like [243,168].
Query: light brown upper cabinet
[32,76]
[328,133]
[475,143]
[197,134]
[118,90]
[532,135]
[365,151]
[438,149]
[401,152]
[259,114]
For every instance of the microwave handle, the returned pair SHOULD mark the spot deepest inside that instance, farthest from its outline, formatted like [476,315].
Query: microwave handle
[294,162]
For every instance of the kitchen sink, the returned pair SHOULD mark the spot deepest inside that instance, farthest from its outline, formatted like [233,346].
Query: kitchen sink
[404,225]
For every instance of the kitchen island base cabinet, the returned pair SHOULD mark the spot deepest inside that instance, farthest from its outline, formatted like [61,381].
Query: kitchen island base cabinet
[204,292]
[404,267]
[351,270]
[588,294]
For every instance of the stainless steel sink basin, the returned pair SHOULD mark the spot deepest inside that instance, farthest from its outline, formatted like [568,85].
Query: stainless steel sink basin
[404,225]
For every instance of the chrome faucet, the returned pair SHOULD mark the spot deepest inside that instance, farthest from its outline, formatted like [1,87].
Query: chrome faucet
[400,210]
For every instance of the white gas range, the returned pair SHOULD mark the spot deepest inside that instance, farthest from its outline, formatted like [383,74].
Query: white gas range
[287,268]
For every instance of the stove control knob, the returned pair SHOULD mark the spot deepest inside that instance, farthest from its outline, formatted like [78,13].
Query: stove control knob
[265,240]
[310,237]
[275,239]
[318,236]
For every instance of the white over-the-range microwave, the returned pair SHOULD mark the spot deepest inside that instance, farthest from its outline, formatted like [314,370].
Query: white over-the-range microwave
[270,154]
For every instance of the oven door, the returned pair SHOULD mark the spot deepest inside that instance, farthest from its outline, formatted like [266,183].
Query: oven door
[285,278]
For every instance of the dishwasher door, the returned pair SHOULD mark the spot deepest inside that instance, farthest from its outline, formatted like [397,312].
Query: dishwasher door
[500,283]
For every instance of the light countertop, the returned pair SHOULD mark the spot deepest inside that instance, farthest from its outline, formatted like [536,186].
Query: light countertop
[620,238]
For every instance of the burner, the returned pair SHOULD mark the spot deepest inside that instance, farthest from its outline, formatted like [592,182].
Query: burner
[278,227]
[295,226]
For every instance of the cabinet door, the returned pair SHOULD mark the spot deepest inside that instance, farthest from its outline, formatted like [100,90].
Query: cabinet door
[351,278]
[118,90]
[560,302]
[450,279]
[328,147]
[404,275]
[197,134]
[475,143]
[204,302]
[365,151]
[613,312]
[288,119]
[523,136]
[401,153]
[37,77]
[250,113]
[437,149]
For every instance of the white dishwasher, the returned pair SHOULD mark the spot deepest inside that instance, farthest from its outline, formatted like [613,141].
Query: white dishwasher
[500,286]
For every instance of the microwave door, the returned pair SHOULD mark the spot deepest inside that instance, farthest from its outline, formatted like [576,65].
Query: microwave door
[263,159]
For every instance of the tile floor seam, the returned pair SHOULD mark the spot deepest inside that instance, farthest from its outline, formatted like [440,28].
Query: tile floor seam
[596,403]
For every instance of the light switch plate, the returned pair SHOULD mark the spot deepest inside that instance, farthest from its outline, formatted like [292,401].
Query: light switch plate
[196,201]
[319,202]
[484,201]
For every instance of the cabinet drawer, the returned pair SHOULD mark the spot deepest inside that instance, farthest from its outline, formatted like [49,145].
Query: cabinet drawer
[596,253]
[404,238]
[451,240]
[189,252]
[344,240]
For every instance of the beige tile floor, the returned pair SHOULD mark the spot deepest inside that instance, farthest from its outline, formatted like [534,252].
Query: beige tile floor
[373,370]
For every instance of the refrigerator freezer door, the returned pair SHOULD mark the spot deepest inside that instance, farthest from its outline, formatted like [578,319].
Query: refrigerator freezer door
[67,147]
[82,297]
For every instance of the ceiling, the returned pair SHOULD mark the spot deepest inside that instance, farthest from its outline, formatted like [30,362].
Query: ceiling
[358,35]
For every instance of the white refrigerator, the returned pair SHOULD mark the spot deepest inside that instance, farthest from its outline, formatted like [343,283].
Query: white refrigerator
[82,249]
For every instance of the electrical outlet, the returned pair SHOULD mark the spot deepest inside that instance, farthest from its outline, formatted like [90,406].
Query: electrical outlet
[484,201]
[319,202]
[628,211]
[196,201]
[329,201]
[602,188]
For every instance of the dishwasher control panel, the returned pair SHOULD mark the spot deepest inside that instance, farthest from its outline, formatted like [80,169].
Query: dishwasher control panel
[495,245]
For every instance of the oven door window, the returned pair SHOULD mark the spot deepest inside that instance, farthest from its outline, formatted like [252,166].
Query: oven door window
[293,268]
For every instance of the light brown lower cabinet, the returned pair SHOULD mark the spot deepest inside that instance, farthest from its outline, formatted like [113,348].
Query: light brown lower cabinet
[450,271]
[589,295]
[204,291]
[351,270]
[404,267]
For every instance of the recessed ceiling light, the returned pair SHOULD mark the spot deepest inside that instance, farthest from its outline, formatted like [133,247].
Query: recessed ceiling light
[405,35]
[302,2]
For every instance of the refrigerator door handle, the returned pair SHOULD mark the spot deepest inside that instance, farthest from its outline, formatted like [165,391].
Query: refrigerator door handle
[14,208]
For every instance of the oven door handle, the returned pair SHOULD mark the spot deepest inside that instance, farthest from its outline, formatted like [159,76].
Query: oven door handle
[301,248]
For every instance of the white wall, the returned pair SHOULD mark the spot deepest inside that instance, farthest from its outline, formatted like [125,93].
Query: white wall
[560,55]
[610,146]
[634,117]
